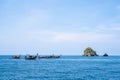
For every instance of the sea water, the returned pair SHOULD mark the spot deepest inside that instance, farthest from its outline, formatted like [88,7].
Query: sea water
[64,68]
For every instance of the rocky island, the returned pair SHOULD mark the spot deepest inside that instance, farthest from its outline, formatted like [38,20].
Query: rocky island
[105,54]
[90,52]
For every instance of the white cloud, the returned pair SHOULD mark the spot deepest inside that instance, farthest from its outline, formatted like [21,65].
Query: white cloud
[111,27]
[56,37]
[81,37]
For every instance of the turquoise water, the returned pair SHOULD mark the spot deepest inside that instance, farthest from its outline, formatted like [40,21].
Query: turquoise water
[64,68]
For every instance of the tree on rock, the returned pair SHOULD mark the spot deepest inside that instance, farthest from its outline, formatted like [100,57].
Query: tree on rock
[90,52]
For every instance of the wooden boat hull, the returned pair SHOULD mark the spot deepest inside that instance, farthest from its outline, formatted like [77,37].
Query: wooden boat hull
[16,57]
[47,57]
[30,57]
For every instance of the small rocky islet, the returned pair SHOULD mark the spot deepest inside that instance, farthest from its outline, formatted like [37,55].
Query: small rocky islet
[90,52]
[105,54]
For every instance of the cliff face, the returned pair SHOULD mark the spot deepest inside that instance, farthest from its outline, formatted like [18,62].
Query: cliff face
[90,52]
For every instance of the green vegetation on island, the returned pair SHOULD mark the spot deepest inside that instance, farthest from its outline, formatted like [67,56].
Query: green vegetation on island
[90,52]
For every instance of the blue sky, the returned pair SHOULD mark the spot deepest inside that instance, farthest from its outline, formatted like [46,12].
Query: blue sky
[64,27]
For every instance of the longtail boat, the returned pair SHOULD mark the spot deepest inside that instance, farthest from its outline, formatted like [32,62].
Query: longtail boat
[51,56]
[16,57]
[31,57]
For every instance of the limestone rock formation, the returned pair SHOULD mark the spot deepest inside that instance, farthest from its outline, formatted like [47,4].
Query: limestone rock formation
[89,52]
